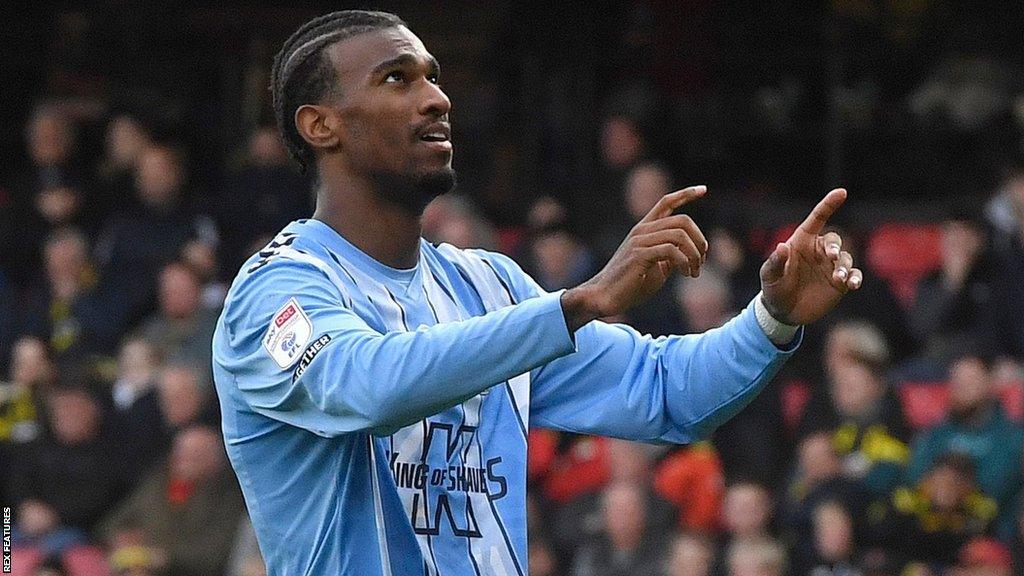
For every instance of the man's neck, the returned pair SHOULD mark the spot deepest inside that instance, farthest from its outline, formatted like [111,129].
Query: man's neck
[388,233]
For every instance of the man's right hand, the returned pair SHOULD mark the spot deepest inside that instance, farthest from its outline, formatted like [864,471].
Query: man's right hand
[659,243]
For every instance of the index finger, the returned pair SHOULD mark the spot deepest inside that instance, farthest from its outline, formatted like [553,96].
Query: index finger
[818,217]
[669,202]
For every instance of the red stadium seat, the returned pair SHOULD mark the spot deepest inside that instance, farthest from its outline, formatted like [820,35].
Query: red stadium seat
[924,403]
[25,560]
[901,253]
[511,239]
[79,560]
[85,561]
[1012,396]
[764,241]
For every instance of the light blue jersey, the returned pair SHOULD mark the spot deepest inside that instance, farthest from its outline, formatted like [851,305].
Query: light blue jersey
[377,418]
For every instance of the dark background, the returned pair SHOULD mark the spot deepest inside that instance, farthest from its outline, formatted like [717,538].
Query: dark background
[781,98]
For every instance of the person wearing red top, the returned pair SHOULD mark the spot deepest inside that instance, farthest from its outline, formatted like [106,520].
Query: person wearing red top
[692,479]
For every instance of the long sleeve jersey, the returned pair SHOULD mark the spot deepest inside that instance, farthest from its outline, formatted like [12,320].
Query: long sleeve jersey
[377,418]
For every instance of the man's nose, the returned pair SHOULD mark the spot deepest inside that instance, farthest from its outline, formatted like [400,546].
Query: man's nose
[435,101]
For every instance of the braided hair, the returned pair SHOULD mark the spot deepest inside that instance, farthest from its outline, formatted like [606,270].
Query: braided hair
[302,75]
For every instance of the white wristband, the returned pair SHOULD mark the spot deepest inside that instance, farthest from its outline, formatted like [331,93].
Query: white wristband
[779,333]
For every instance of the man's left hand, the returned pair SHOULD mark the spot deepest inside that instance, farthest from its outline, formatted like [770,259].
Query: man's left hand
[806,275]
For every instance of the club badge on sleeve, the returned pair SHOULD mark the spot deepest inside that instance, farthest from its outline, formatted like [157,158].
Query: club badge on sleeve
[289,331]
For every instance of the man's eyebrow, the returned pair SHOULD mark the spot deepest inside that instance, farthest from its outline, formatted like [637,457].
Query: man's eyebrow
[404,59]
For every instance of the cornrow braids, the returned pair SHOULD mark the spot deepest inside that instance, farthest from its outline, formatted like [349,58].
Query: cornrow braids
[301,74]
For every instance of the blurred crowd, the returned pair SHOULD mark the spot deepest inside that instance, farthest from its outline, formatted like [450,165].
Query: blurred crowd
[890,444]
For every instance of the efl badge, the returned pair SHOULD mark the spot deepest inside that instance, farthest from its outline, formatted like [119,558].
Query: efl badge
[289,331]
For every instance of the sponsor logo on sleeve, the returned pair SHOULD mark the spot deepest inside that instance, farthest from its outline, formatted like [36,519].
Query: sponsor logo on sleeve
[311,351]
[290,329]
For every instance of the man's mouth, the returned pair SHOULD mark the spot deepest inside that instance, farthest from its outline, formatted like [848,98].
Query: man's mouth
[438,134]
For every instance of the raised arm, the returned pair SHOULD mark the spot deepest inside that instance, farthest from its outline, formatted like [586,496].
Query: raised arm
[802,279]
[679,388]
[344,376]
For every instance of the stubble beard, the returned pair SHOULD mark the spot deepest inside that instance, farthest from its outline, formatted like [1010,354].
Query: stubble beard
[413,192]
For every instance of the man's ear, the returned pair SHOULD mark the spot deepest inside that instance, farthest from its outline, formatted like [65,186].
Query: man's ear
[318,125]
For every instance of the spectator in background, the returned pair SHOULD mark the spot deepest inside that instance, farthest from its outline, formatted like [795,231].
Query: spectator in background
[263,196]
[567,466]
[565,474]
[545,212]
[705,301]
[137,243]
[189,510]
[932,520]
[137,363]
[731,256]
[1007,303]
[182,329]
[747,511]
[859,412]
[625,546]
[70,308]
[185,397]
[124,143]
[875,304]
[612,462]
[622,143]
[21,414]
[746,517]
[951,303]
[51,141]
[818,479]
[66,477]
[32,373]
[41,545]
[58,206]
[984,557]
[759,556]
[555,256]
[586,466]
[644,184]
[976,426]
[691,479]
[855,341]
[543,561]
[751,444]
[135,560]
[835,547]
[622,146]
[201,258]
[452,219]
[1005,210]
[560,259]
[52,208]
[143,434]
[690,555]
